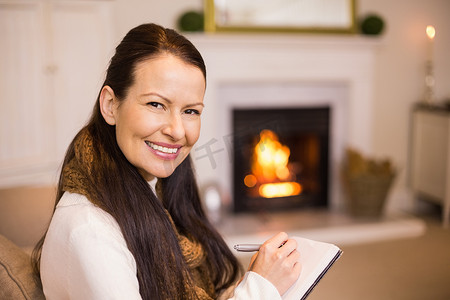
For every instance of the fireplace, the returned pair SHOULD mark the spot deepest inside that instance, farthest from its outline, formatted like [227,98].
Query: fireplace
[280,158]
[286,72]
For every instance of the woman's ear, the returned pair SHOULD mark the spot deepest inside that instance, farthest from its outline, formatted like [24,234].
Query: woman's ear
[108,105]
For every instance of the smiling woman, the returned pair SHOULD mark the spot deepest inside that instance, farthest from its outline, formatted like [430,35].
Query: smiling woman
[159,120]
[128,221]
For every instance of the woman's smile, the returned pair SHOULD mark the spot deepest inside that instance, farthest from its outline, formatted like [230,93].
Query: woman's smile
[164,151]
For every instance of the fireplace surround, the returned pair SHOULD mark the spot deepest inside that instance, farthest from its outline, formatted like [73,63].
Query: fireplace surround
[247,71]
[289,96]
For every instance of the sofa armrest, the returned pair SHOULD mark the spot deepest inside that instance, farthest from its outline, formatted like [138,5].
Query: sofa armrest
[17,280]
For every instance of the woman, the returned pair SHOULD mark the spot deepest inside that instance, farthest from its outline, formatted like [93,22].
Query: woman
[114,235]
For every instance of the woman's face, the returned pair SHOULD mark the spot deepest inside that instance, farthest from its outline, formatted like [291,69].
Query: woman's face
[158,122]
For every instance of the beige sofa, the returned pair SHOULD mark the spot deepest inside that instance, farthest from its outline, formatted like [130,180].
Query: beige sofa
[24,216]
[16,274]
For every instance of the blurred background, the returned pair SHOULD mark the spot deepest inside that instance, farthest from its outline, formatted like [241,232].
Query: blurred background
[356,111]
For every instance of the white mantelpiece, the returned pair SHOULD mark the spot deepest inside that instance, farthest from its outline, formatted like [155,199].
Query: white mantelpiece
[303,71]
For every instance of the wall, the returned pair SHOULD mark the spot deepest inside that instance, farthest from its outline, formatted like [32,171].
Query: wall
[130,13]
[25,214]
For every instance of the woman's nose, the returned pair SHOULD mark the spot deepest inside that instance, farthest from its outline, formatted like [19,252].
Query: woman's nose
[174,127]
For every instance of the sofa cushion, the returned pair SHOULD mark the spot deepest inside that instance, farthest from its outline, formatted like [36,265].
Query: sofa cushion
[16,273]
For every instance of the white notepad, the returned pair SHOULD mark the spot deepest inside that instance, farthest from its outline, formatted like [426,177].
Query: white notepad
[316,259]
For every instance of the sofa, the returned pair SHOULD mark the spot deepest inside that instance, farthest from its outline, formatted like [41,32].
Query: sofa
[25,213]
[17,280]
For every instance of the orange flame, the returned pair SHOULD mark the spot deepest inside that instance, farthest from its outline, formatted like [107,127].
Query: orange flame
[270,169]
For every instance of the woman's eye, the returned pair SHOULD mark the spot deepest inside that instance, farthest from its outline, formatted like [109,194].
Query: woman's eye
[156,104]
[192,112]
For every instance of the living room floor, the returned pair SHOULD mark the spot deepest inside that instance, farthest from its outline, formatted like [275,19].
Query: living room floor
[402,269]
[406,265]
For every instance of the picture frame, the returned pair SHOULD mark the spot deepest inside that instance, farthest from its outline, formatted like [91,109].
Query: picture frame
[310,16]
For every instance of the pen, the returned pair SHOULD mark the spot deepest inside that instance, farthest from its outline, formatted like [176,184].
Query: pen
[250,247]
[247,247]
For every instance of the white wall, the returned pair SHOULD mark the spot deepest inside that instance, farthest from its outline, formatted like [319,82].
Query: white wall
[130,13]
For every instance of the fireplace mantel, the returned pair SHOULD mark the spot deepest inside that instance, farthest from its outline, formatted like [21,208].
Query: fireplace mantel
[286,61]
[288,39]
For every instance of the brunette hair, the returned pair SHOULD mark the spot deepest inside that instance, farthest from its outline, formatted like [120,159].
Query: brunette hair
[120,190]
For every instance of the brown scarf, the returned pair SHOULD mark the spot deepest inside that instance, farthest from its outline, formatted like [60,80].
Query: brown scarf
[75,180]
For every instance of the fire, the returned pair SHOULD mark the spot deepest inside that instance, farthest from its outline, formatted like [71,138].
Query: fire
[280,189]
[270,168]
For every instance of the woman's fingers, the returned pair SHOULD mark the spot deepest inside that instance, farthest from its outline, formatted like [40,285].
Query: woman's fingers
[277,240]
[252,260]
[278,261]
[294,256]
[277,250]
[288,247]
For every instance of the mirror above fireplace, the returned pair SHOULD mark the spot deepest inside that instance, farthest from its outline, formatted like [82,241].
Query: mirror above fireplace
[330,16]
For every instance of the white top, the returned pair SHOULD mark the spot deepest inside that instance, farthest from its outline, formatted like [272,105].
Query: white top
[85,256]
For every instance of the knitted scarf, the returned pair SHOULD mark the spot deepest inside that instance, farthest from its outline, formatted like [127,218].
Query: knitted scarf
[76,176]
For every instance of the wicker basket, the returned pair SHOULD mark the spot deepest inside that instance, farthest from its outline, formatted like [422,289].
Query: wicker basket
[367,193]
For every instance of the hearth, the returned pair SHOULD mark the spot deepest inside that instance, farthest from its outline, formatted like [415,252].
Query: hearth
[280,158]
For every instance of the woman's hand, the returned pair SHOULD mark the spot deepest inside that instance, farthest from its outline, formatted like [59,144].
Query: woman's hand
[277,261]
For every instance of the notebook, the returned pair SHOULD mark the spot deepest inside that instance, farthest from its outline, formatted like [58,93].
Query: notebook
[316,259]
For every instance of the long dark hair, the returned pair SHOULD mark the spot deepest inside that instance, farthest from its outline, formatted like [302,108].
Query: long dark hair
[119,189]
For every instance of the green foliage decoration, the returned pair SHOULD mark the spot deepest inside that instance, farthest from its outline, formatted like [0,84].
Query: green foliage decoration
[191,21]
[372,24]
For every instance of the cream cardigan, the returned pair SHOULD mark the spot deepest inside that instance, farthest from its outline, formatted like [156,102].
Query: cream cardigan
[85,256]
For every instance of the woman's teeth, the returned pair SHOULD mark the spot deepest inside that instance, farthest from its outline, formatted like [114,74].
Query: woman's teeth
[162,149]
